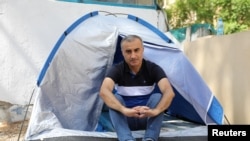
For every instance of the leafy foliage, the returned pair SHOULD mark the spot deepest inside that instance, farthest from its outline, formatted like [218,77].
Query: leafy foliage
[235,13]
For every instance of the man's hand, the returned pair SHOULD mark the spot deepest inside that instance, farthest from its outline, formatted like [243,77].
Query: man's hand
[144,111]
[131,112]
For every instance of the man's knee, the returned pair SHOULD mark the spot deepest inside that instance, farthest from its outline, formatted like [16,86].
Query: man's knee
[154,99]
[119,98]
[156,96]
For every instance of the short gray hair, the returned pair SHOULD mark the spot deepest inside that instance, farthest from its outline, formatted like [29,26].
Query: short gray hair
[130,38]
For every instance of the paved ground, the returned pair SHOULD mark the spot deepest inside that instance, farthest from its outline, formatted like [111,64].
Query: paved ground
[11,131]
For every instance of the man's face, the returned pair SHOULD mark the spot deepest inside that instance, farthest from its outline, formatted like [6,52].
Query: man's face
[133,52]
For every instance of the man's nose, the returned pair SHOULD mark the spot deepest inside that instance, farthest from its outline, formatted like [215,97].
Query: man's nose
[133,54]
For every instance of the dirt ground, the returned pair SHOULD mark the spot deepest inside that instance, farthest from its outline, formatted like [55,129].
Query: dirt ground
[11,131]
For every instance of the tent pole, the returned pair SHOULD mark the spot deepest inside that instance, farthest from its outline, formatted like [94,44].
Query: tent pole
[25,115]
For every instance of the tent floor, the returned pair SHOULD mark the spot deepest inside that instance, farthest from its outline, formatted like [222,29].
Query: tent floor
[173,129]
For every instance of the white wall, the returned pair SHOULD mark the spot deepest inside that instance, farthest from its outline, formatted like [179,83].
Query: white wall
[28,31]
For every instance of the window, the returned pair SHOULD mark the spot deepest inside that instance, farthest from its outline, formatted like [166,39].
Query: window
[127,3]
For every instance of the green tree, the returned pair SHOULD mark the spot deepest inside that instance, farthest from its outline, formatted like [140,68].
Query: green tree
[235,13]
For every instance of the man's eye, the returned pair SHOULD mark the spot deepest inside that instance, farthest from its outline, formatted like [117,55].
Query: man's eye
[136,50]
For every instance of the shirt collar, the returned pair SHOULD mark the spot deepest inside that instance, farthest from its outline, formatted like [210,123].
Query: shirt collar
[127,68]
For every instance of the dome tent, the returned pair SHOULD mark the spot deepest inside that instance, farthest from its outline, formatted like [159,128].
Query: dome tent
[67,101]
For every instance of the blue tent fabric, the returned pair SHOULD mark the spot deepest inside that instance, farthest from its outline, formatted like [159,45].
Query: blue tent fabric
[59,42]
[187,82]
[67,101]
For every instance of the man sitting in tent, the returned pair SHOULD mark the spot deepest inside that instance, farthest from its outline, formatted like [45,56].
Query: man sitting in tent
[134,106]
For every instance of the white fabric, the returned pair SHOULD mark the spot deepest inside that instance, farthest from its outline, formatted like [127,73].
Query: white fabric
[135,90]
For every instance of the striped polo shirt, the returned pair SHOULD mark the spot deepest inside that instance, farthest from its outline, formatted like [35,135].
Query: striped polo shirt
[135,88]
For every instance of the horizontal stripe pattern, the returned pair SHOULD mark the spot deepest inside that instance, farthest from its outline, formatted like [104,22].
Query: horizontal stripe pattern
[134,90]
